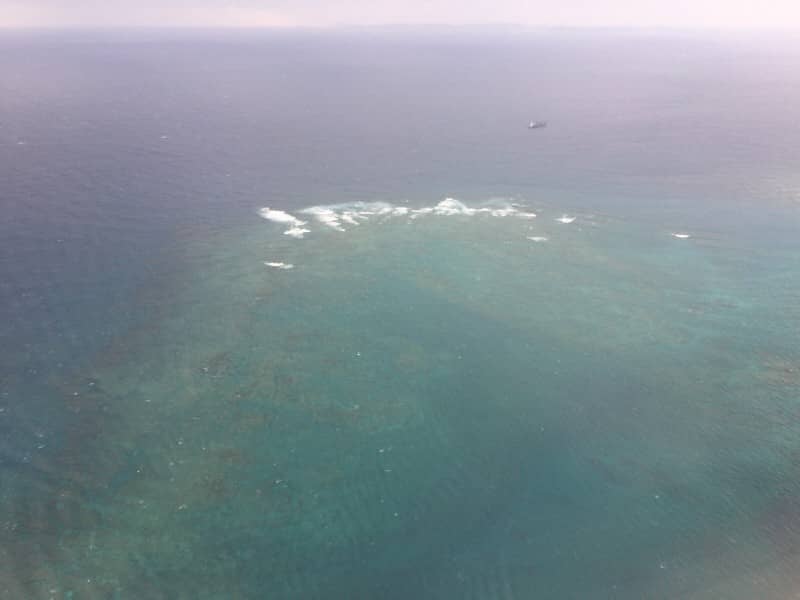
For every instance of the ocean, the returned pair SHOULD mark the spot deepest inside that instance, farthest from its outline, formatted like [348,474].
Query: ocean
[316,315]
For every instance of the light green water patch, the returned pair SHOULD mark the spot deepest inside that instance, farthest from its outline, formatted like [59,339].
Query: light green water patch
[444,408]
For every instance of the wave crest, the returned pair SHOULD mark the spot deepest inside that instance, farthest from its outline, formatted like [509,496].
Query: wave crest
[351,214]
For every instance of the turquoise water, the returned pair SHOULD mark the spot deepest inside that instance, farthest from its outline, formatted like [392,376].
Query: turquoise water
[420,398]
[442,407]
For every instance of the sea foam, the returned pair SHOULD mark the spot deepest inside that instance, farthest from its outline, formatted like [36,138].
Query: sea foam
[336,216]
[340,217]
[280,216]
[296,232]
[280,265]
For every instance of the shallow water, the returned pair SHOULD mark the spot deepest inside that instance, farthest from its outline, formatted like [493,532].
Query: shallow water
[428,404]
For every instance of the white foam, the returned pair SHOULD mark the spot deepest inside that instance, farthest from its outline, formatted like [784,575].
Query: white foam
[418,212]
[325,215]
[451,206]
[537,238]
[504,212]
[340,217]
[351,218]
[297,232]
[336,216]
[280,265]
[566,219]
[279,216]
[681,236]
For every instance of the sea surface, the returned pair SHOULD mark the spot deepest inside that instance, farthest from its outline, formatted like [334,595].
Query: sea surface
[315,315]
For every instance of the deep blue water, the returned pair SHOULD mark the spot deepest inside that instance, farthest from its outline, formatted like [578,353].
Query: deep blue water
[426,407]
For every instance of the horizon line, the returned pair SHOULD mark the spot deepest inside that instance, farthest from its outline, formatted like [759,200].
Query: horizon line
[403,26]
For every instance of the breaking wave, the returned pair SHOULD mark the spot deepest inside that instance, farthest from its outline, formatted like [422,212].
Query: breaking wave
[279,265]
[296,228]
[340,217]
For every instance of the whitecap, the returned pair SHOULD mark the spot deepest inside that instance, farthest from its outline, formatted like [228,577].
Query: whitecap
[537,238]
[351,218]
[325,215]
[566,219]
[418,212]
[681,236]
[451,206]
[280,216]
[504,212]
[344,215]
[296,232]
[280,265]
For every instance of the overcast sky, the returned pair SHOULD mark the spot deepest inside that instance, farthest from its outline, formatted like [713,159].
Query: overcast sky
[324,13]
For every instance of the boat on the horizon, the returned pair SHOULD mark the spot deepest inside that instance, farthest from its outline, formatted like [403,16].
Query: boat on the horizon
[537,124]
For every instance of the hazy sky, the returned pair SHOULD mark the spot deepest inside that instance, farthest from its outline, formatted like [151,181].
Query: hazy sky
[680,13]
